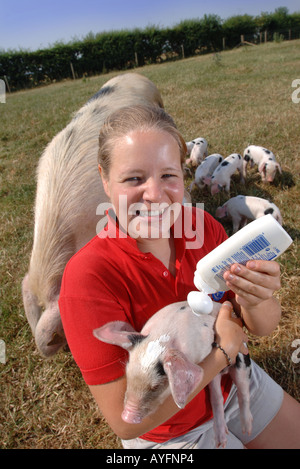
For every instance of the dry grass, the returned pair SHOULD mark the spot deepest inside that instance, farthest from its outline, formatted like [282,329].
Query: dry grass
[233,99]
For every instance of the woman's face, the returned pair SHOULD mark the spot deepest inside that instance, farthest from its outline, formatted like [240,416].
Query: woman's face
[145,183]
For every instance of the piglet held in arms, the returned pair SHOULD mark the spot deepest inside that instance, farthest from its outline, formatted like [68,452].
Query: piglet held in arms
[163,360]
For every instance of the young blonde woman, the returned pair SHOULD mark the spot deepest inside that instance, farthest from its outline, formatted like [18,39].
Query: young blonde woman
[138,264]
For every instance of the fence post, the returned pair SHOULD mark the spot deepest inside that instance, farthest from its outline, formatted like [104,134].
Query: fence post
[223,41]
[290,34]
[2,92]
[136,59]
[242,39]
[182,51]
[7,85]
[266,36]
[72,69]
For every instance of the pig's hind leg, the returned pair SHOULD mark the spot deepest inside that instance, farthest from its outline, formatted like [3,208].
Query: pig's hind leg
[216,399]
[240,374]
[32,309]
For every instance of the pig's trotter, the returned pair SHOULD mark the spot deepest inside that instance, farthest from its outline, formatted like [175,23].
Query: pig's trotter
[221,431]
[246,421]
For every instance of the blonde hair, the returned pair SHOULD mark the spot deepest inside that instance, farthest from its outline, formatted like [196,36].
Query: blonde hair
[129,119]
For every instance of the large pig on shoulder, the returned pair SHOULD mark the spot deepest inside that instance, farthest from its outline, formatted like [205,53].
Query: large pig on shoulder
[69,191]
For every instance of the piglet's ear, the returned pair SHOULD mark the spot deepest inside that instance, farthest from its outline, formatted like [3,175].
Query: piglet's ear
[261,167]
[184,376]
[117,333]
[221,212]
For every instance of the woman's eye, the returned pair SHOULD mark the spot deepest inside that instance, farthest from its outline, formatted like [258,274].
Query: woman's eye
[166,176]
[133,179]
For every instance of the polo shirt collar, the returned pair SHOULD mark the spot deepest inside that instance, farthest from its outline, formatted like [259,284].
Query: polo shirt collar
[128,244]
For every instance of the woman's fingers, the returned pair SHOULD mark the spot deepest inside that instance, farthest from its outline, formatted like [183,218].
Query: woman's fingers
[229,332]
[254,282]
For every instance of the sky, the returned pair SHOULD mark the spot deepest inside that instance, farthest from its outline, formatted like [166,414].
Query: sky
[38,24]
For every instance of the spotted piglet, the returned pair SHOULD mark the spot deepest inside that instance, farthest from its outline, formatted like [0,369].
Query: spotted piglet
[205,170]
[264,159]
[244,208]
[222,174]
[163,360]
[198,151]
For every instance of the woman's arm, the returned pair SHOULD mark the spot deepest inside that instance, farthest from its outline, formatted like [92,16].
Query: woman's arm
[254,285]
[110,396]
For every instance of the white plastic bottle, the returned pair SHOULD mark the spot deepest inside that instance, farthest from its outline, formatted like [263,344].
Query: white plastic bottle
[263,238]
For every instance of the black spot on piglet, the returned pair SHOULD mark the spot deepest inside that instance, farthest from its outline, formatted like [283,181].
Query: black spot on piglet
[136,339]
[243,361]
[160,369]
[269,210]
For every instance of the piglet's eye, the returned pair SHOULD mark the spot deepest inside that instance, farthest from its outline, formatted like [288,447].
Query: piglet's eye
[160,369]
[154,388]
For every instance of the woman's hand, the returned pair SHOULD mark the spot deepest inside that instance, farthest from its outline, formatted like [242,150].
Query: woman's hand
[253,283]
[229,332]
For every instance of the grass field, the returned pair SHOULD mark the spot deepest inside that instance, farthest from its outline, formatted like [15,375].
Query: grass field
[232,99]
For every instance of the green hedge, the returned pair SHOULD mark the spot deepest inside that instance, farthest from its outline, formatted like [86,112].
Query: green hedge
[121,50]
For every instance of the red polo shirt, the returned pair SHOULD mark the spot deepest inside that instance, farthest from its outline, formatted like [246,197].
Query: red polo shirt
[110,279]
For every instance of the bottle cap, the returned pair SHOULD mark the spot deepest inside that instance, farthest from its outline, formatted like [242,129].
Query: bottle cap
[201,285]
[200,302]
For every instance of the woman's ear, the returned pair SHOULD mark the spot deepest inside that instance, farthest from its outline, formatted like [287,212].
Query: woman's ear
[104,181]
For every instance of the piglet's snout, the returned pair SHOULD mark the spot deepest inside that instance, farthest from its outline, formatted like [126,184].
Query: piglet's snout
[131,415]
[215,188]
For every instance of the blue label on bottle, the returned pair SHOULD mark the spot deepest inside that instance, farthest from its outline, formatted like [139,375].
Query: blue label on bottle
[218,296]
